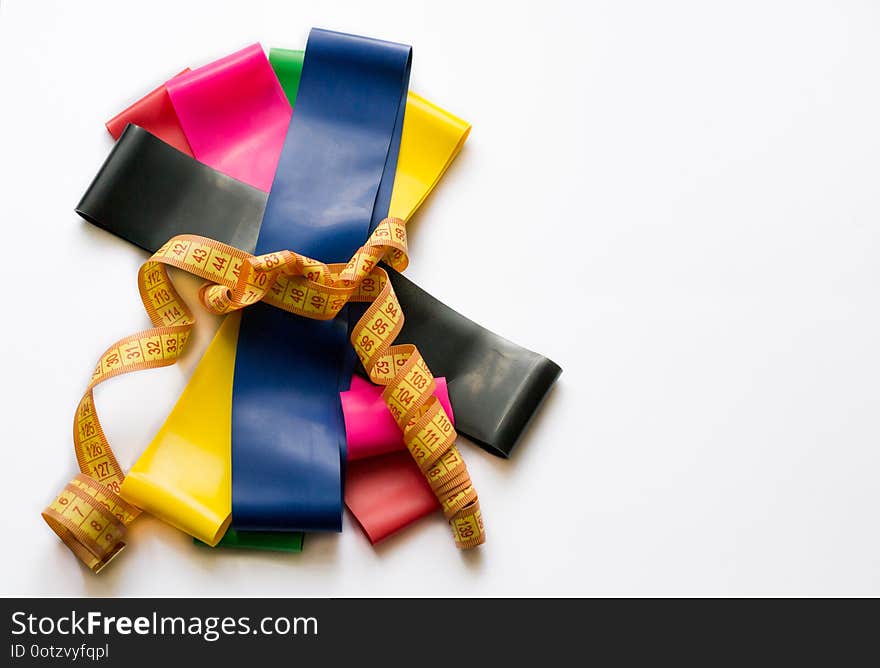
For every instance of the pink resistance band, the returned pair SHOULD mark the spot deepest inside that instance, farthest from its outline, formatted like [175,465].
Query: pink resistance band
[369,428]
[234,114]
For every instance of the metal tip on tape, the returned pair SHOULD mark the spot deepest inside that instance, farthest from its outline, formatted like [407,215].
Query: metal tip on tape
[97,568]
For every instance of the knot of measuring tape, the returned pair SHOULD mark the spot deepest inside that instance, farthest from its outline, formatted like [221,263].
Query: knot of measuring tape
[90,517]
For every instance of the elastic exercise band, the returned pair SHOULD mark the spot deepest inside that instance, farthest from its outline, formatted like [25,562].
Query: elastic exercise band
[332,186]
[234,115]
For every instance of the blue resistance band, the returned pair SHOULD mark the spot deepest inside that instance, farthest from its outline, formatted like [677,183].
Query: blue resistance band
[332,187]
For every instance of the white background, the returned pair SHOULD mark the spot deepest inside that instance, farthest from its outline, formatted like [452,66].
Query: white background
[678,202]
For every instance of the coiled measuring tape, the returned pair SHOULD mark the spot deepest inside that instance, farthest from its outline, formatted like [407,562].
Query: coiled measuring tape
[91,518]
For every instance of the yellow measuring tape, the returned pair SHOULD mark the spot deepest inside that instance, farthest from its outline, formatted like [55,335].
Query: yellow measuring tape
[184,476]
[90,517]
